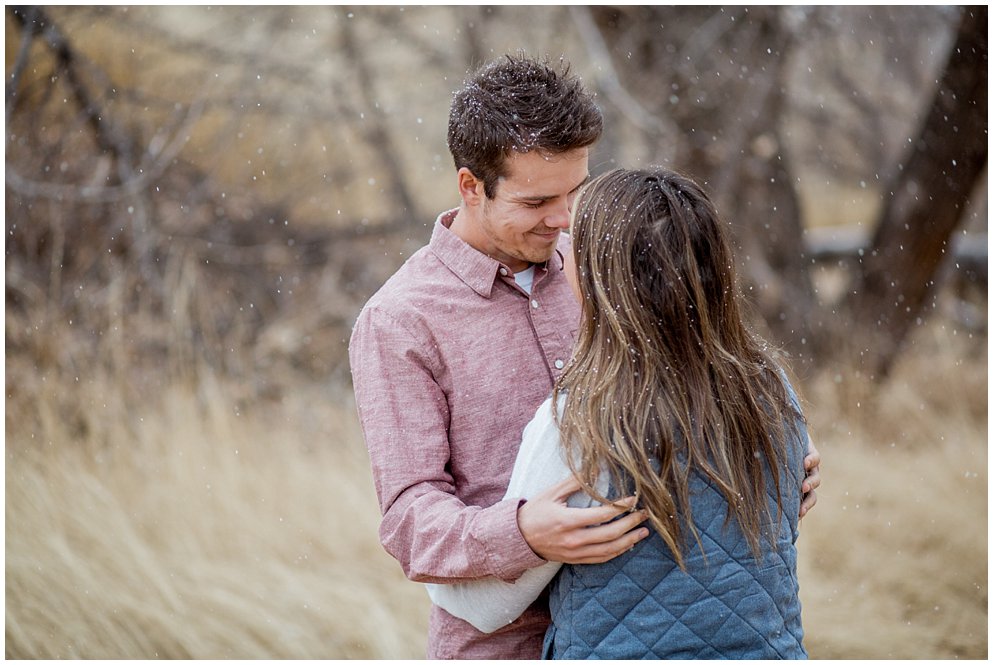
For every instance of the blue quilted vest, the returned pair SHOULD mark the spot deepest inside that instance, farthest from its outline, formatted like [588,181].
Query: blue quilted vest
[725,605]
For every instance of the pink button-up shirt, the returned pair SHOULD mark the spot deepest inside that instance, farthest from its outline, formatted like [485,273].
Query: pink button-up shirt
[450,359]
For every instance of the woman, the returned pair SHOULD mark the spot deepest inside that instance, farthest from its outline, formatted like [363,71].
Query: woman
[668,396]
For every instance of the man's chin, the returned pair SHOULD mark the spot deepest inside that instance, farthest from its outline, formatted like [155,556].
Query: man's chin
[540,256]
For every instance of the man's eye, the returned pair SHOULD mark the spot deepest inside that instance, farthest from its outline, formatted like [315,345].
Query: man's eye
[534,205]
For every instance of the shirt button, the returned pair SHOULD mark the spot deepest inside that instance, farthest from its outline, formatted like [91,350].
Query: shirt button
[559,364]
[503,271]
[534,303]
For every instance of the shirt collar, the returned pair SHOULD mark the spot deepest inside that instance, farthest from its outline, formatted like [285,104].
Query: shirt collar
[473,267]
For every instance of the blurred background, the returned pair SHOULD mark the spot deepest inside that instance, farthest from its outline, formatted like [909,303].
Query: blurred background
[198,201]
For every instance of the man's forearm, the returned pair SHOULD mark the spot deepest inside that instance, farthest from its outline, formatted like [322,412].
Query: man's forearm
[437,538]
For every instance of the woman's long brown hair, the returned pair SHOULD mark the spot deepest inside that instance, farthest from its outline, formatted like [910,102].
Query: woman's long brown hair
[666,378]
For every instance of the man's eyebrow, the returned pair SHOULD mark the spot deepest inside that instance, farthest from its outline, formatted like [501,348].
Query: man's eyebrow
[549,197]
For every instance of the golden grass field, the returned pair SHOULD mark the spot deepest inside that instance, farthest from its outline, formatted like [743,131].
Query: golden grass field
[193,527]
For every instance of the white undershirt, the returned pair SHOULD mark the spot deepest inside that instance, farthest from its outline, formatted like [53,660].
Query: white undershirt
[525,279]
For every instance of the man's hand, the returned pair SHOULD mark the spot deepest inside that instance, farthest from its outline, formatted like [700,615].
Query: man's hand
[812,463]
[557,532]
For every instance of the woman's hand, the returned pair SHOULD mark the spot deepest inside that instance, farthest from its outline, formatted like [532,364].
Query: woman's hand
[557,532]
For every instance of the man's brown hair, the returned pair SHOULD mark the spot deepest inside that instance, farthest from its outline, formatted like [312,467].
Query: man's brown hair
[518,104]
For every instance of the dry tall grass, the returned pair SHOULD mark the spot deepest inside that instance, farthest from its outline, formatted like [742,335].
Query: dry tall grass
[894,558]
[195,528]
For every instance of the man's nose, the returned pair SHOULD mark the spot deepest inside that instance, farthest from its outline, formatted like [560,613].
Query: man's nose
[559,218]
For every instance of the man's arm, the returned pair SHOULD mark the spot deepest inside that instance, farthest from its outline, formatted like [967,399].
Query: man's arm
[404,417]
[812,461]
[812,464]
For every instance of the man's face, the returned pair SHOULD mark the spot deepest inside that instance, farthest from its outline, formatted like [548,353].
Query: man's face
[520,225]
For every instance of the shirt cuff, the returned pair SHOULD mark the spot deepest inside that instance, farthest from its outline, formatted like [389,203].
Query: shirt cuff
[509,555]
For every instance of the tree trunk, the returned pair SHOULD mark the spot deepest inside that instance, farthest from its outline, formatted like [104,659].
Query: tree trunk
[927,202]
[765,209]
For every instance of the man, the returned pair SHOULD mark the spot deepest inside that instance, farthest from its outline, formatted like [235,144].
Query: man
[451,357]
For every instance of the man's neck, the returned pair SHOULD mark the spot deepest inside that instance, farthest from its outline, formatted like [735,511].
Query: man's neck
[461,225]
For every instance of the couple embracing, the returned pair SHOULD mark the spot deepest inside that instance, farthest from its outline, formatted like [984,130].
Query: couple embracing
[575,440]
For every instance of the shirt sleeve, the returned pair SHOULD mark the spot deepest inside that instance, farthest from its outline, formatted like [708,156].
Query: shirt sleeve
[404,417]
[489,604]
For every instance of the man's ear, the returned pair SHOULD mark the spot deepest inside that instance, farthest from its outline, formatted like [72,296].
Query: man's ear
[470,187]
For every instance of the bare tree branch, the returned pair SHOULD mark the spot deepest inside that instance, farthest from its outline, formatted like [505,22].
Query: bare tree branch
[374,127]
[608,80]
[927,201]
[162,158]
[710,33]
[108,136]
[29,27]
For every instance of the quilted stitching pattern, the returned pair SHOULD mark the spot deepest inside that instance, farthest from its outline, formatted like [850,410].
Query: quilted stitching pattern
[727,605]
